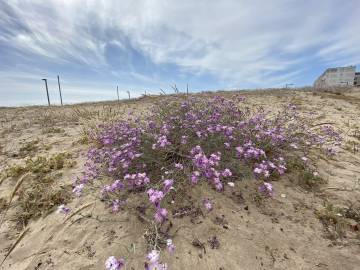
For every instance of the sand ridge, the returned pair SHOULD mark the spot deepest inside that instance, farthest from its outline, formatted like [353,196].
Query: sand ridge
[283,233]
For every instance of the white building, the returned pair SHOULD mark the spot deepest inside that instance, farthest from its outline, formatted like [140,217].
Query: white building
[339,76]
[357,79]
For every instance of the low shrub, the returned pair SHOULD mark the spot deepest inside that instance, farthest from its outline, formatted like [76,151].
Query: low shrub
[184,141]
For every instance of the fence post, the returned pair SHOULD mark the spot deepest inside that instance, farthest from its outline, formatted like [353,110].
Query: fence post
[60,90]
[117,91]
[47,91]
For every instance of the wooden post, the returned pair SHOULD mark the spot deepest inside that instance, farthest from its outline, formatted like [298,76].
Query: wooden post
[117,91]
[128,93]
[187,89]
[60,90]
[47,91]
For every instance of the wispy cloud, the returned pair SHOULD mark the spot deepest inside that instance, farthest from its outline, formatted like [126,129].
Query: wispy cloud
[145,43]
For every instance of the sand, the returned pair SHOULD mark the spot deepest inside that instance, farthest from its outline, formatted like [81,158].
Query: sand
[280,233]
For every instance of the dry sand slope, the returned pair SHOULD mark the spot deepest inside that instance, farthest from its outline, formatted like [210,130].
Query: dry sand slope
[294,230]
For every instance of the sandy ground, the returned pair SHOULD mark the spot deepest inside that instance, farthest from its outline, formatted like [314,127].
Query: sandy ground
[281,233]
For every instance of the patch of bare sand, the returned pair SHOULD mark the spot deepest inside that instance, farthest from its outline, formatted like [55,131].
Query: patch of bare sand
[280,233]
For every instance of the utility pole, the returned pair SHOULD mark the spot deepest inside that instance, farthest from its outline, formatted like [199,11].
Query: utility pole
[117,91]
[47,91]
[60,90]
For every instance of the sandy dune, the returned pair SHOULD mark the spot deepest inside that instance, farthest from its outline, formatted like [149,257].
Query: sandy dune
[282,233]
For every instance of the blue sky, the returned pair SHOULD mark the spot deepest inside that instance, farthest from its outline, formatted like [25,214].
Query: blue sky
[137,45]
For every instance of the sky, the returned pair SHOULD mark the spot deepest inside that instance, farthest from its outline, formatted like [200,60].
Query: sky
[96,45]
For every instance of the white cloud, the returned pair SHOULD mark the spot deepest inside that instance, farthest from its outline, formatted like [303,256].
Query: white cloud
[261,43]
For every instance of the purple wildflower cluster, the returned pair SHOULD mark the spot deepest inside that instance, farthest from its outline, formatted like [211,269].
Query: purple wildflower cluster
[156,196]
[207,167]
[153,261]
[183,141]
[114,264]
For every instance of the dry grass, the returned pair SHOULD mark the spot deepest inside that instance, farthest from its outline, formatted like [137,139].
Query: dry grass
[40,193]
[21,236]
[41,165]
[335,224]
[38,198]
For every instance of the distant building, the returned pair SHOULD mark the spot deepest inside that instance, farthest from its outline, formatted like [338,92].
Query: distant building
[357,79]
[339,76]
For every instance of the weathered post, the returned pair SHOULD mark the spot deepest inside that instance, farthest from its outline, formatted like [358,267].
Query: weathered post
[60,90]
[128,93]
[117,91]
[47,91]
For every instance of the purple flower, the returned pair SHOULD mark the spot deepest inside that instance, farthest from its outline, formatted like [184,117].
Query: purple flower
[155,196]
[266,189]
[137,179]
[168,184]
[153,261]
[114,264]
[160,215]
[162,142]
[219,186]
[179,166]
[116,205]
[195,177]
[258,170]
[227,173]
[117,185]
[170,246]
[208,204]
[78,189]
[63,209]
[153,256]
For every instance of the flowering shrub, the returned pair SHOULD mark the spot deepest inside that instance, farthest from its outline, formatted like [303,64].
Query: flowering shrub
[184,141]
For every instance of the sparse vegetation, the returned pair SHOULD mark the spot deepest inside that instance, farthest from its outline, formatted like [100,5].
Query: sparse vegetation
[29,148]
[334,223]
[41,165]
[53,130]
[40,193]
[38,197]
